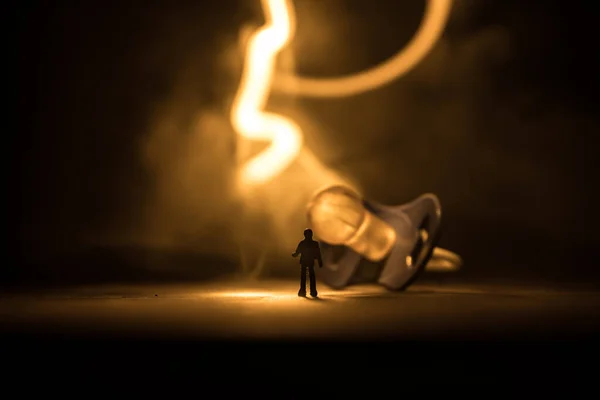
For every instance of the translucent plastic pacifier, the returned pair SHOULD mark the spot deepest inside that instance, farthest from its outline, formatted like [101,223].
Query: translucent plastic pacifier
[401,238]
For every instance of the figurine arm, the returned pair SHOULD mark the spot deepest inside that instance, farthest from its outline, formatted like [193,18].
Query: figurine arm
[298,250]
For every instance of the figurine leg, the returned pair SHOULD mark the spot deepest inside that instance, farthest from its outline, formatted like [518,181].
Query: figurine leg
[313,281]
[302,291]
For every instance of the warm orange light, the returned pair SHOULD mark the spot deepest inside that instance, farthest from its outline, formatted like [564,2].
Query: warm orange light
[429,32]
[251,122]
[247,114]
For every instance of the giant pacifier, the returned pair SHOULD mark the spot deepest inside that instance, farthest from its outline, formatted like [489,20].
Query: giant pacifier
[401,239]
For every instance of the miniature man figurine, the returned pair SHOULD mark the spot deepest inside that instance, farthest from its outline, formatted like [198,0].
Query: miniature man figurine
[309,251]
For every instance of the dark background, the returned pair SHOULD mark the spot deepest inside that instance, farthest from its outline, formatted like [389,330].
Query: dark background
[499,121]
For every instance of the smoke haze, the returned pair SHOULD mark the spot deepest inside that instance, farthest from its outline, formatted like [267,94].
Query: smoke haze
[124,135]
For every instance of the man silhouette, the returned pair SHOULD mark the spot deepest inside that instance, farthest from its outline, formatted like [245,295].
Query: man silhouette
[309,251]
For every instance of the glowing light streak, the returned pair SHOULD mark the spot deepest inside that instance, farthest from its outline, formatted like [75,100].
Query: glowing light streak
[251,122]
[247,115]
[428,33]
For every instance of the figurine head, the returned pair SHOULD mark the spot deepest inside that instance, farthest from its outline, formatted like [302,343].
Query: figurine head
[308,234]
